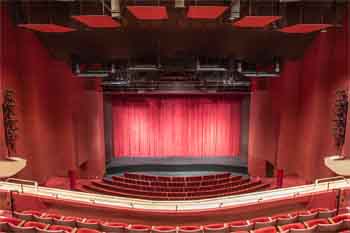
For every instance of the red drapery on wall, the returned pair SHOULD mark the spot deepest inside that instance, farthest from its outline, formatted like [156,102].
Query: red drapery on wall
[176,126]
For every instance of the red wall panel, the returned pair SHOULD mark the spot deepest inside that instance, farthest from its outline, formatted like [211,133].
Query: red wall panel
[298,107]
[60,117]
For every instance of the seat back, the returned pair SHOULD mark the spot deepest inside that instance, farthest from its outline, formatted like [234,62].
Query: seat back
[88,225]
[327,213]
[113,227]
[17,229]
[23,216]
[164,229]
[137,228]
[216,228]
[70,223]
[42,219]
[332,227]
[307,217]
[190,229]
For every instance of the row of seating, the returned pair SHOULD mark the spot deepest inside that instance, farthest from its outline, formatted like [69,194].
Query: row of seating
[175,182]
[144,177]
[307,221]
[154,194]
[204,183]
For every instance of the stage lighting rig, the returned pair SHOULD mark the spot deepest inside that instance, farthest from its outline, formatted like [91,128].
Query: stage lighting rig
[259,70]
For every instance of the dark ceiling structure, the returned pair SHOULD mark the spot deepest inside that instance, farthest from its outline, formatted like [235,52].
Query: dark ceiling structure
[139,53]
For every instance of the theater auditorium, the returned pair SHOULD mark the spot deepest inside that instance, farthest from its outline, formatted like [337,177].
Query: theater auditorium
[174,116]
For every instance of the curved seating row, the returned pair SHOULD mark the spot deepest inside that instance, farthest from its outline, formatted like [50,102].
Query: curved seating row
[154,194]
[205,185]
[175,183]
[144,177]
[155,188]
[308,221]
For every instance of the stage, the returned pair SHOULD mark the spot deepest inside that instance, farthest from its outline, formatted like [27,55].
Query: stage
[174,166]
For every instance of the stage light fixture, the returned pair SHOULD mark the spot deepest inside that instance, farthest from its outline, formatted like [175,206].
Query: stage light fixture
[115,9]
[179,3]
[235,12]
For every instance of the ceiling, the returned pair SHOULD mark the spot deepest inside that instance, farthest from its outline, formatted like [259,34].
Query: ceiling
[177,37]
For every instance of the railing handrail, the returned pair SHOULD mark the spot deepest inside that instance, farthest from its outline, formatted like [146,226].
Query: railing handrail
[317,181]
[256,197]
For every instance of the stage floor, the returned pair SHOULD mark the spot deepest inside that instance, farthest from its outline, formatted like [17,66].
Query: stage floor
[178,166]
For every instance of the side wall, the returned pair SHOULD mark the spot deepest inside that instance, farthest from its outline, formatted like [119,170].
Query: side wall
[291,119]
[60,117]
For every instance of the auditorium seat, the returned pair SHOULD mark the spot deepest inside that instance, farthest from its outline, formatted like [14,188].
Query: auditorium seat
[326,213]
[315,222]
[330,227]
[283,219]
[13,221]
[72,218]
[164,229]
[288,227]
[19,229]
[24,216]
[89,223]
[43,219]
[262,222]
[32,212]
[52,215]
[49,231]
[70,223]
[305,216]
[216,228]
[340,218]
[305,230]
[86,230]
[66,229]
[138,228]
[265,230]
[113,227]
[240,225]
[190,229]
[313,210]
[38,225]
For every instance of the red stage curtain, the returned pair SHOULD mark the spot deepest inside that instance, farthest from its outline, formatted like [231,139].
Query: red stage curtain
[176,126]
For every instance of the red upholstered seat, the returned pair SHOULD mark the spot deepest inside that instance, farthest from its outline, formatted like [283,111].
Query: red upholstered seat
[85,230]
[281,216]
[18,229]
[38,225]
[73,218]
[238,223]
[314,222]
[260,219]
[344,231]
[341,217]
[301,212]
[52,215]
[91,220]
[13,221]
[137,228]
[166,229]
[140,227]
[32,212]
[66,229]
[266,230]
[191,229]
[241,225]
[215,228]
[292,226]
[318,210]
[113,227]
